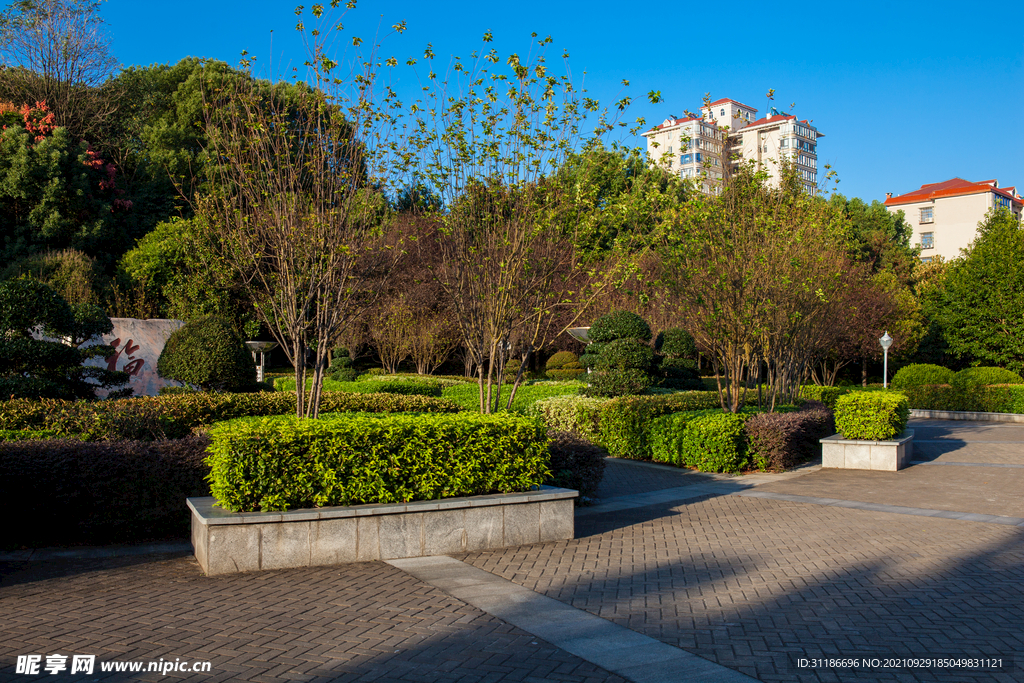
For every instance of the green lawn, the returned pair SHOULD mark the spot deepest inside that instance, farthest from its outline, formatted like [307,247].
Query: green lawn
[468,395]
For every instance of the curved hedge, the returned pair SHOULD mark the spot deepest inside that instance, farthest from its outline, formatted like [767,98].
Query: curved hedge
[559,359]
[207,352]
[920,374]
[284,462]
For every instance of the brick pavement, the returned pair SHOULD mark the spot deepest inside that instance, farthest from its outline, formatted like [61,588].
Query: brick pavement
[360,622]
[623,477]
[755,584]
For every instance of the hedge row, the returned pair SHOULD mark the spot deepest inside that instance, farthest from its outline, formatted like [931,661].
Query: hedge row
[282,462]
[372,385]
[94,493]
[778,441]
[176,415]
[576,464]
[1007,398]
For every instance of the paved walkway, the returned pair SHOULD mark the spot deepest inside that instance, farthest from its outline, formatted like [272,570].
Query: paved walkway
[674,576]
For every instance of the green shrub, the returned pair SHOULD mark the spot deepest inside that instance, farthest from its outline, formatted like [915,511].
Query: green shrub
[570,413]
[625,421]
[871,416]
[715,442]
[511,369]
[676,343]
[377,371]
[625,354]
[439,380]
[284,462]
[612,383]
[827,395]
[619,325]
[208,353]
[970,378]
[560,359]
[590,354]
[175,416]
[566,373]
[920,374]
[666,437]
[576,464]
[26,434]
[934,397]
[467,396]
[99,493]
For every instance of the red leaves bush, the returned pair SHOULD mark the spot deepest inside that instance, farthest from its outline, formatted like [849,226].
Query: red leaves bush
[576,464]
[781,440]
[67,491]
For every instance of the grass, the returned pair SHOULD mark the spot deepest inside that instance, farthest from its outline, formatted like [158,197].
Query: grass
[468,395]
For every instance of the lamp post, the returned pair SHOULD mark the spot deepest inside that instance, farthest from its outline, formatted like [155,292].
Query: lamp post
[259,350]
[886,342]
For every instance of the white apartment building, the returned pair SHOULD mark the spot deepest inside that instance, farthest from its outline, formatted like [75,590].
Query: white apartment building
[729,133]
[945,215]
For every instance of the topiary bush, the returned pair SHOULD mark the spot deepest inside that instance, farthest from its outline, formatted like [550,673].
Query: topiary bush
[676,343]
[625,354]
[576,464]
[559,359]
[614,383]
[284,462]
[563,365]
[619,325]
[871,415]
[341,369]
[567,372]
[207,352]
[590,355]
[920,374]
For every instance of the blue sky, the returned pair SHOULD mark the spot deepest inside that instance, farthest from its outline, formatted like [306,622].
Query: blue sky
[904,95]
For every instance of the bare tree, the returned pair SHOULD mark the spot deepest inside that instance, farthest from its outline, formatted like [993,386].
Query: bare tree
[296,205]
[58,52]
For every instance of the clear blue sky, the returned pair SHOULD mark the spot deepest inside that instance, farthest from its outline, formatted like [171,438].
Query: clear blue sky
[906,93]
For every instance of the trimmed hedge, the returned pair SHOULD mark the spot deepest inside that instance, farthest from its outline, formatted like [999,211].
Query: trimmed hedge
[174,416]
[872,416]
[826,395]
[709,441]
[919,374]
[576,464]
[560,359]
[778,441]
[612,383]
[209,353]
[467,396]
[570,413]
[71,492]
[624,421]
[970,378]
[1006,398]
[283,462]
[619,325]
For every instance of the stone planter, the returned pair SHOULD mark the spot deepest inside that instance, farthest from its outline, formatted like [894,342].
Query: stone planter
[228,542]
[852,454]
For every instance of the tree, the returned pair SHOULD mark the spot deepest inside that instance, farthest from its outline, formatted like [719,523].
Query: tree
[878,237]
[984,295]
[757,269]
[293,200]
[56,51]
[51,366]
[490,143]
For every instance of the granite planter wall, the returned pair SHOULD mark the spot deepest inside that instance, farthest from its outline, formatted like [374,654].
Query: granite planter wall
[228,542]
[852,454]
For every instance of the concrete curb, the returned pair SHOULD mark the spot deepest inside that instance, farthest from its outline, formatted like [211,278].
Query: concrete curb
[966,415]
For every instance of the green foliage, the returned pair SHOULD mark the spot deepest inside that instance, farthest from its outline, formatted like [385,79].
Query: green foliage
[709,441]
[576,464]
[209,353]
[984,295]
[919,374]
[675,343]
[26,434]
[567,373]
[176,415]
[570,413]
[70,273]
[467,396]
[560,359]
[378,385]
[827,395]
[624,421]
[778,441]
[51,367]
[969,378]
[612,383]
[619,325]
[287,462]
[625,354]
[666,435]
[871,416]
[590,355]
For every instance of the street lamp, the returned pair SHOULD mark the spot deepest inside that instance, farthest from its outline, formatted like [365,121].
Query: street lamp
[259,351]
[886,342]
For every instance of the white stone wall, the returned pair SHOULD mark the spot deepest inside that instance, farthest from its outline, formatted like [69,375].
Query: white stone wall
[138,345]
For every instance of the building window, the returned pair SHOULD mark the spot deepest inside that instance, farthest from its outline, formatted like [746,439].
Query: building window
[722,113]
[926,259]
[926,215]
[670,149]
[686,159]
[927,240]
